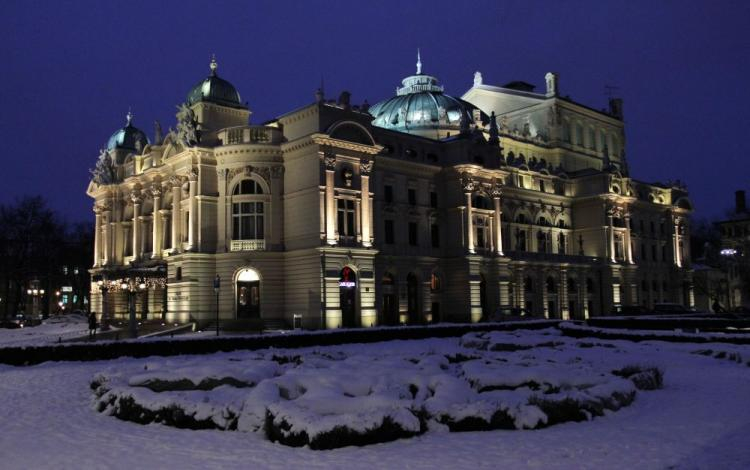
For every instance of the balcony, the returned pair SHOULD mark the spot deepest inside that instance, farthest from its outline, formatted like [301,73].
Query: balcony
[248,245]
[251,135]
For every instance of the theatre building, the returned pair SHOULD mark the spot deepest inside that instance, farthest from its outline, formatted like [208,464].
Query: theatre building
[421,208]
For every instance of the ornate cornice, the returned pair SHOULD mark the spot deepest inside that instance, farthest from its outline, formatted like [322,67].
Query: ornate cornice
[324,140]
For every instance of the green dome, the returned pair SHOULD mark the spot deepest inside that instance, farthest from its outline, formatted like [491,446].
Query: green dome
[421,107]
[128,138]
[215,90]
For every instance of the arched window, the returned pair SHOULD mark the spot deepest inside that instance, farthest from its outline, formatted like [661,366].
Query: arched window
[521,240]
[247,186]
[436,283]
[521,219]
[551,285]
[248,211]
[572,286]
[543,222]
[528,284]
[541,242]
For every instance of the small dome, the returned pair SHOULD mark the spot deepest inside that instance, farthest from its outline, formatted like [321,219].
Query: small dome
[420,107]
[215,90]
[129,137]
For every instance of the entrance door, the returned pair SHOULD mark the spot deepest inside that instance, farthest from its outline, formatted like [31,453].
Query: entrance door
[390,309]
[348,297]
[248,299]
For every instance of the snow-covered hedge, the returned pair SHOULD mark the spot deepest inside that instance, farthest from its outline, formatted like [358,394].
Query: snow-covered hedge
[329,398]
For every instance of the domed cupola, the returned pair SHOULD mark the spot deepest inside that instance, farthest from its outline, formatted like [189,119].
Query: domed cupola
[128,138]
[421,107]
[215,90]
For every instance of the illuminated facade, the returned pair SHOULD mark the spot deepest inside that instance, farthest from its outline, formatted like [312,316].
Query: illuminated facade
[421,208]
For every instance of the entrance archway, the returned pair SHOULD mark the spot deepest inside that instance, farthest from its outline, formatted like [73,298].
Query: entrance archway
[412,291]
[248,294]
[348,297]
[390,300]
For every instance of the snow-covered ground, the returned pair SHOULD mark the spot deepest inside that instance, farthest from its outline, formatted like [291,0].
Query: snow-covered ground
[700,419]
[52,330]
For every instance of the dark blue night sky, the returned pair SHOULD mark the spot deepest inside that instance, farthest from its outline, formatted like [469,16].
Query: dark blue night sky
[70,70]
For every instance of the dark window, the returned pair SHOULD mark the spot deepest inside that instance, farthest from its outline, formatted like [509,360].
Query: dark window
[664,253]
[178,274]
[653,252]
[643,251]
[247,186]
[389,232]
[346,217]
[541,186]
[435,235]
[521,240]
[412,193]
[412,233]
[661,228]
[388,193]
[653,230]
[433,199]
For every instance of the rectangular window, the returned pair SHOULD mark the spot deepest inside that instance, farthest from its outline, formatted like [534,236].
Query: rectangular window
[541,186]
[413,233]
[388,193]
[412,196]
[247,221]
[433,200]
[435,235]
[643,251]
[592,138]
[579,135]
[346,217]
[389,232]
[653,252]
[664,253]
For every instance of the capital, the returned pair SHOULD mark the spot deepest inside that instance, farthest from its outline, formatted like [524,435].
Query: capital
[467,183]
[365,167]
[330,161]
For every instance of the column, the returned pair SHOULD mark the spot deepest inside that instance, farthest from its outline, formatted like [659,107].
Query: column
[498,222]
[563,296]
[611,227]
[330,164]
[137,199]
[156,242]
[365,167]
[193,221]
[628,244]
[676,243]
[176,213]
[97,237]
[107,236]
[469,225]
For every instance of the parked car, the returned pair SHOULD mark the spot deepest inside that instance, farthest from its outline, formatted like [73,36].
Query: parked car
[506,312]
[671,308]
[629,310]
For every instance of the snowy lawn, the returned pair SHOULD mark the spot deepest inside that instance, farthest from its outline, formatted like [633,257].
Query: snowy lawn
[698,420]
[55,328]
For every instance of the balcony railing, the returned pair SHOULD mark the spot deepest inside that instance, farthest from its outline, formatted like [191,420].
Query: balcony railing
[251,135]
[248,245]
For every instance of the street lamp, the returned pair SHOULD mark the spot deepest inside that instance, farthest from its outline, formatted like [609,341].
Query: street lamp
[105,311]
[132,290]
[217,286]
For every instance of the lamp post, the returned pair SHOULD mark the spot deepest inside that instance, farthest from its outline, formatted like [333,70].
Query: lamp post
[131,287]
[217,285]
[105,310]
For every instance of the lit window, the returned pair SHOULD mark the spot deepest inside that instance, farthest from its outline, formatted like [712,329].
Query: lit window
[247,221]
[346,217]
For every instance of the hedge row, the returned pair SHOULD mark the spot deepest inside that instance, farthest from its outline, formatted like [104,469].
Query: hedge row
[692,323]
[576,331]
[30,355]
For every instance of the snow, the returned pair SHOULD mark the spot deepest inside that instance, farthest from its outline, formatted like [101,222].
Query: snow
[63,327]
[699,420]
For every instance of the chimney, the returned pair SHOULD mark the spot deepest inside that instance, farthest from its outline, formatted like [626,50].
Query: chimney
[615,107]
[739,202]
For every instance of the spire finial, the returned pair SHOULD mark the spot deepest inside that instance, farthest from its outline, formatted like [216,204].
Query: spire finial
[419,63]
[129,116]
[213,64]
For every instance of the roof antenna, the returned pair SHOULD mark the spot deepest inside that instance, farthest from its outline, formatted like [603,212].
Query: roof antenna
[213,64]
[419,63]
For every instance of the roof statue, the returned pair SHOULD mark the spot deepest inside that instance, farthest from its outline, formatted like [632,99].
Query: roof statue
[104,172]
[158,134]
[187,126]
[494,132]
[419,63]
[477,78]
[213,65]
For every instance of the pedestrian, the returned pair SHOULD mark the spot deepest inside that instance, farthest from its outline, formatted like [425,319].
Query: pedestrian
[92,325]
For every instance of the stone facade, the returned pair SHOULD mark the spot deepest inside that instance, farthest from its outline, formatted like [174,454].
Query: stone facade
[520,200]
